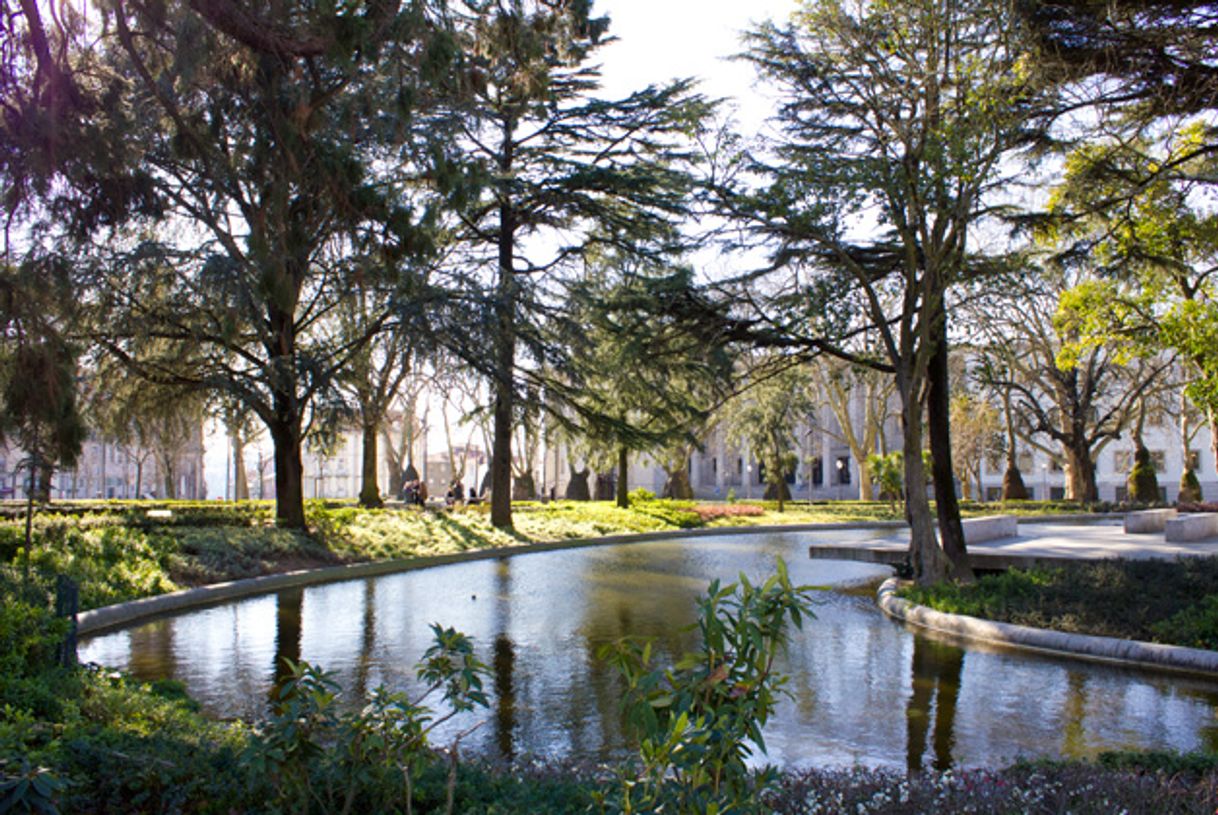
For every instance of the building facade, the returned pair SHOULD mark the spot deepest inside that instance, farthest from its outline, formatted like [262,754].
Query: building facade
[107,470]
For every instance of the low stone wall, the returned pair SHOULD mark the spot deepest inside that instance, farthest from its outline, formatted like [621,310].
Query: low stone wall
[991,527]
[1147,521]
[1196,527]
[1100,649]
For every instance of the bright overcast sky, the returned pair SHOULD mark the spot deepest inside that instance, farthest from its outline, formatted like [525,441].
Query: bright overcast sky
[659,40]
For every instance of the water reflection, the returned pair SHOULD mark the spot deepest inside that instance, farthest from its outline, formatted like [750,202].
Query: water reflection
[152,649]
[863,689]
[367,642]
[288,635]
[937,669]
[503,665]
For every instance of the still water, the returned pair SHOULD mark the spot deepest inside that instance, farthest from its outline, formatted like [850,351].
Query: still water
[864,689]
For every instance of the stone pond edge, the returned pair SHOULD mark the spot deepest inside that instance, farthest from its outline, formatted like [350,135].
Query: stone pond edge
[1111,650]
[121,615]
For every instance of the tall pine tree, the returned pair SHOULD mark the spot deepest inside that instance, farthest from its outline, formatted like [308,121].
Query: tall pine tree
[561,171]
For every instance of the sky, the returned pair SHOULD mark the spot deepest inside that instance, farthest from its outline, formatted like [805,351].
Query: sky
[657,41]
[660,40]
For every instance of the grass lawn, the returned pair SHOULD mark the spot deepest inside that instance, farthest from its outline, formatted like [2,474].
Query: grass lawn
[116,552]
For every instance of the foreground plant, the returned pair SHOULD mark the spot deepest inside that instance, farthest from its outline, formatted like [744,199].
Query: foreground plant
[318,759]
[698,722]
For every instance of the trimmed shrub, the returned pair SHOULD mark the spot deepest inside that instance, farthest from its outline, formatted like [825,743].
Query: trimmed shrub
[1143,484]
[1190,487]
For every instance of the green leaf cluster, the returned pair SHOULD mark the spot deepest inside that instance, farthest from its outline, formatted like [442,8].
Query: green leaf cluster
[698,722]
[316,757]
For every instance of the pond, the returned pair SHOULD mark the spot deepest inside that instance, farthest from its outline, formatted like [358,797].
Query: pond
[865,690]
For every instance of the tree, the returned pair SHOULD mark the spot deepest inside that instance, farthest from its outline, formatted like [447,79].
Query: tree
[241,426]
[975,428]
[558,163]
[887,471]
[908,116]
[995,375]
[1156,243]
[1142,484]
[38,374]
[1080,399]
[149,420]
[38,410]
[638,380]
[55,124]
[1158,52]
[402,428]
[250,137]
[766,416]
[457,462]
[375,372]
[845,388]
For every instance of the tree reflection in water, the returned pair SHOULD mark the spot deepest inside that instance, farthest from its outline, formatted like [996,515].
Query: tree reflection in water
[503,663]
[937,668]
[290,603]
[365,662]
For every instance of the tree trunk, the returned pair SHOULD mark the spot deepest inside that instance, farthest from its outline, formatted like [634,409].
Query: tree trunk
[1081,471]
[577,485]
[1190,487]
[1211,417]
[285,420]
[370,490]
[938,414]
[623,462]
[42,487]
[926,558]
[604,487]
[169,480]
[524,487]
[677,485]
[1013,488]
[241,487]
[289,475]
[29,518]
[866,489]
[505,361]
[779,492]
[501,458]
[396,481]
[487,479]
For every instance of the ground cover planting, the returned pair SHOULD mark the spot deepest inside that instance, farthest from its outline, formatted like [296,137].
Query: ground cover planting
[1153,600]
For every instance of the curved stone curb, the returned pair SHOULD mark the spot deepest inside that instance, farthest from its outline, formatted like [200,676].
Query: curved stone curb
[122,614]
[1058,643]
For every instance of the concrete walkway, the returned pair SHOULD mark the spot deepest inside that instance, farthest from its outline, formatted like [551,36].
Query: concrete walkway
[1037,544]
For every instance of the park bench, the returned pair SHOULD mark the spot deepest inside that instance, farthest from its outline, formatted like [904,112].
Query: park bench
[1147,520]
[1195,527]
